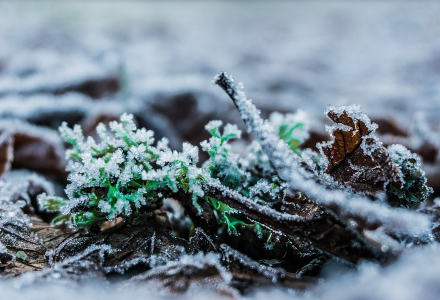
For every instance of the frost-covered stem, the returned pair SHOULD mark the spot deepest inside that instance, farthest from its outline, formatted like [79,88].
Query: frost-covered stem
[314,232]
[342,203]
[239,265]
[251,209]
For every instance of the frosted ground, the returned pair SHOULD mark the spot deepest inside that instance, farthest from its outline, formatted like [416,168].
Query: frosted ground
[385,57]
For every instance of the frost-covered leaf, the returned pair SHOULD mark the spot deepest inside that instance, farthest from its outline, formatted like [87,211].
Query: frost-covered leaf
[75,270]
[244,269]
[52,75]
[5,257]
[309,234]
[355,157]
[26,186]
[19,241]
[137,246]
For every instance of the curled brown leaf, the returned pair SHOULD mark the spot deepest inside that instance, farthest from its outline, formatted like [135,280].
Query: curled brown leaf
[355,157]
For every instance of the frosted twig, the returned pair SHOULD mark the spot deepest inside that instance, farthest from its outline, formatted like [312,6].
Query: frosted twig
[315,233]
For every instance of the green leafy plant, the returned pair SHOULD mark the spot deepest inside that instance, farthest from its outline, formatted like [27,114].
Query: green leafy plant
[126,175]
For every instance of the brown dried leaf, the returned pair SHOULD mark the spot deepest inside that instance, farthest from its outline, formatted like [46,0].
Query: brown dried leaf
[33,148]
[28,249]
[74,271]
[355,158]
[26,186]
[94,88]
[300,205]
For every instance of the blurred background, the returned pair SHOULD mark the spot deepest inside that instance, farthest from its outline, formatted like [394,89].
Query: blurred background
[89,62]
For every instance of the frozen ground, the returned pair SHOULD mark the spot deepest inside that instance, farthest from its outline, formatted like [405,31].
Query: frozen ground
[384,56]
[414,276]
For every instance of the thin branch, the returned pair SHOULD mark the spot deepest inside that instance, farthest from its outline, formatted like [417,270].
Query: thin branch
[337,242]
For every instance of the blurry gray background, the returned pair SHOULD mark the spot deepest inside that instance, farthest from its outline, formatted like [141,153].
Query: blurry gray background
[159,58]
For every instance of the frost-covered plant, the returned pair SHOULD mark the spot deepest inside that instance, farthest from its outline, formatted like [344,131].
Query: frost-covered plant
[124,175]
[414,189]
[223,164]
[252,176]
[271,190]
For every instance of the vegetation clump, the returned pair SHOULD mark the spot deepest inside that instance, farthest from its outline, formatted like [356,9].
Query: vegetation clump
[276,213]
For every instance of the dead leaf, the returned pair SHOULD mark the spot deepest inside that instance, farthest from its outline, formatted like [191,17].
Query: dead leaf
[24,185]
[244,269]
[355,158]
[309,234]
[24,146]
[25,245]
[131,247]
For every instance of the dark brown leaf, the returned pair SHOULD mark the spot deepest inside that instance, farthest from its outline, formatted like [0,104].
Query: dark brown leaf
[37,153]
[244,269]
[76,270]
[132,246]
[355,158]
[25,245]
[26,186]
[33,148]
